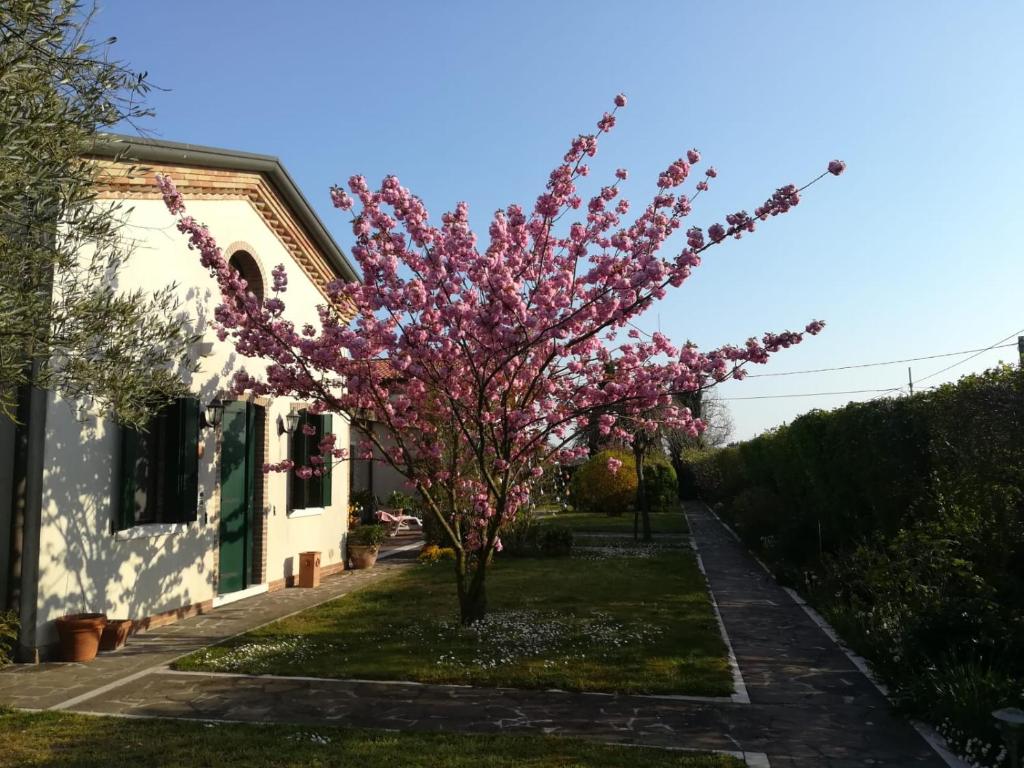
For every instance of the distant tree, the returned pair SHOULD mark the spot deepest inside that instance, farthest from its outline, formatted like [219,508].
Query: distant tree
[710,408]
[64,325]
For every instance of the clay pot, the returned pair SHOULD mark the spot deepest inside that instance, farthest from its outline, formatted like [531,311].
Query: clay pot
[362,556]
[115,634]
[80,635]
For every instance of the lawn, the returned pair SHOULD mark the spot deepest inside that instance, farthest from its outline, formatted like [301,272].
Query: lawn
[614,617]
[60,739]
[587,522]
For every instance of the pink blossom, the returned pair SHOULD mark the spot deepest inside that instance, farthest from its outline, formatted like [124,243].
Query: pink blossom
[172,198]
[836,167]
[614,465]
[620,100]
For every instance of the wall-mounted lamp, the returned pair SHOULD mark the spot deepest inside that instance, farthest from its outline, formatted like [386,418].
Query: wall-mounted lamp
[288,424]
[212,414]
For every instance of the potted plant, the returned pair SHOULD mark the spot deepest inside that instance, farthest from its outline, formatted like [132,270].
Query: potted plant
[80,635]
[364,544]
[115,634]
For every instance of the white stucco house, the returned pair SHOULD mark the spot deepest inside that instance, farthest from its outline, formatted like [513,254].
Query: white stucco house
[160,525]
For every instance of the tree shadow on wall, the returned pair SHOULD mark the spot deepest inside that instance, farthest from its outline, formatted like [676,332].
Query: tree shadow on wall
[84,564]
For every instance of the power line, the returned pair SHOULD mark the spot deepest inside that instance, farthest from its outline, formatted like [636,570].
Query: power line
[881,392]
[812,394]
[887,362]
[980,351]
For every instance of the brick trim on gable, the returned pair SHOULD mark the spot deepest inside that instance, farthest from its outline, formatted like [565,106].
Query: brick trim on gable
[127,181]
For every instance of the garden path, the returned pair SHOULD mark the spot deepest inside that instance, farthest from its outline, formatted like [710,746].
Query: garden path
[54,685]
[809,705]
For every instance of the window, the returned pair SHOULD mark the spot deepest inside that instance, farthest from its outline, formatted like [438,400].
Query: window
[246,266]
[316,491]
[160,468]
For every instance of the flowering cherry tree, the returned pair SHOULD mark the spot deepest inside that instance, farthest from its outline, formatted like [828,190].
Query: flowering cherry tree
[485,359]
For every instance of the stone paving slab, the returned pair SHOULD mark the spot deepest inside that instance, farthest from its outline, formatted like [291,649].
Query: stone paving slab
[42,686]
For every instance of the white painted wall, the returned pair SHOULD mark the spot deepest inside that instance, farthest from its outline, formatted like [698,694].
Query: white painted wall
[83,566]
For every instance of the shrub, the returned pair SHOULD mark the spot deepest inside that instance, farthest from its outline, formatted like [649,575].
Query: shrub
[403,501]
[431,553]
[365,504]
[596,489]
[8,636]
[433,532]
[756,514]
[520,538]
[555,540]
[660,484]
[529,538]
[368,536]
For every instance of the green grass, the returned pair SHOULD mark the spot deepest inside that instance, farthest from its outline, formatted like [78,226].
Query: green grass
[598,621]
[587,522]
[65,740]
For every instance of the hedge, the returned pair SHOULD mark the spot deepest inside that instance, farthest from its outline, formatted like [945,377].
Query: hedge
[903,521]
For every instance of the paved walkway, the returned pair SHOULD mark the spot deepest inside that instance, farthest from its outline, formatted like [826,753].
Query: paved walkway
[809,704]
[44,686]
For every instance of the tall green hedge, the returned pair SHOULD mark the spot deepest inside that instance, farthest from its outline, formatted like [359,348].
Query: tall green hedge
[903,520]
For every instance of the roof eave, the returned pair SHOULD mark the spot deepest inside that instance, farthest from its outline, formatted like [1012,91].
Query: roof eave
[174,153]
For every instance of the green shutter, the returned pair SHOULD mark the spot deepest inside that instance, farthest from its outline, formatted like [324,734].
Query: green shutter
[124,515]
[165,431]
[325,429]
[315,485]
[187,460]
[300,456]
[250,488]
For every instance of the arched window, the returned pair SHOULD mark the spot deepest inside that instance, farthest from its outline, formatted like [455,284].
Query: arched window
[246,266]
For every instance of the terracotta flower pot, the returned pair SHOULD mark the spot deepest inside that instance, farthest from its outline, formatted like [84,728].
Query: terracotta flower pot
[362,556]
[115,634]
[80,635]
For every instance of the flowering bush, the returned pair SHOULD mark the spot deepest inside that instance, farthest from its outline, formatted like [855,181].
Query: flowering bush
[431,553]
[596,488]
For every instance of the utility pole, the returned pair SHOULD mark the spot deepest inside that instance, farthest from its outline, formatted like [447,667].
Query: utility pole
[910,381]
[1020,351]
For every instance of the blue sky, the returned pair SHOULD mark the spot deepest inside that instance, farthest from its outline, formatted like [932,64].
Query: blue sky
[912,252]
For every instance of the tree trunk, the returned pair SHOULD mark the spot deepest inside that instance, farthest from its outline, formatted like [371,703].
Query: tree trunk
[472,589]
[676,457]
[473,602]
[639,454]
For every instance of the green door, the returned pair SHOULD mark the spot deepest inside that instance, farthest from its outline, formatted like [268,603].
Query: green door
[237,495]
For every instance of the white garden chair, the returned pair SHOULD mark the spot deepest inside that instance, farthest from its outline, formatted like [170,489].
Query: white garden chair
[397,520]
